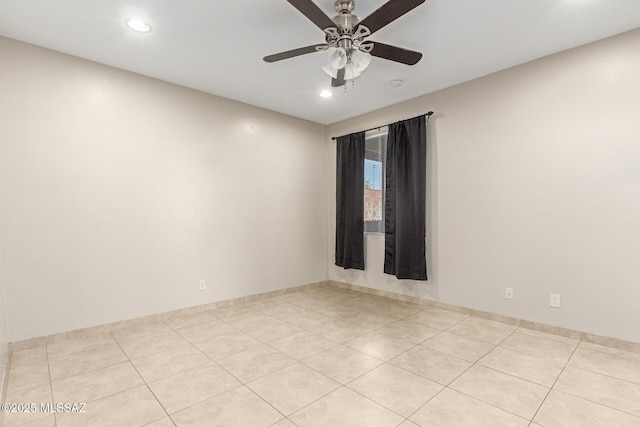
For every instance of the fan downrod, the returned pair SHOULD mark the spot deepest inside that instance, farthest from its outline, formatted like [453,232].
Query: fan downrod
[342,6]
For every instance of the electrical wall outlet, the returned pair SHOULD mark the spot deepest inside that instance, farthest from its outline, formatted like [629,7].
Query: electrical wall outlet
[508,293]
[555,301]
[203,285]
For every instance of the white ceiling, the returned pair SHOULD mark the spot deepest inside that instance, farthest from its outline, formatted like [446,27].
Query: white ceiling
[217,46]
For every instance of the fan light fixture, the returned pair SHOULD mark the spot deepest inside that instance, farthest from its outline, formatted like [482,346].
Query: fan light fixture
[354,62]
[337,60]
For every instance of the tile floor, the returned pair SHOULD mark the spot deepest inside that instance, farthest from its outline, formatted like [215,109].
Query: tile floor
[327,357]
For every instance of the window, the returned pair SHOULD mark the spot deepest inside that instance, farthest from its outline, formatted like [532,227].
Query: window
[375,153]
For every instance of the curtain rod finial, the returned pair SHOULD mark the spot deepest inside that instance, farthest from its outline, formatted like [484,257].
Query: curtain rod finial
[430,113]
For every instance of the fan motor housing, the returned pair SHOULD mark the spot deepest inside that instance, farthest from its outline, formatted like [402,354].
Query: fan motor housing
[345,20]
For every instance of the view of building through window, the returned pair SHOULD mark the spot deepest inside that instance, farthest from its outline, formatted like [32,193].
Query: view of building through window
[374,173]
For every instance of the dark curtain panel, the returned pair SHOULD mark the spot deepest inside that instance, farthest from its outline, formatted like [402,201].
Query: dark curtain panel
[350,202]
[405,210]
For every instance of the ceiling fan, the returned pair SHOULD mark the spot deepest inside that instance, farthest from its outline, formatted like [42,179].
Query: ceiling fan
[346,38]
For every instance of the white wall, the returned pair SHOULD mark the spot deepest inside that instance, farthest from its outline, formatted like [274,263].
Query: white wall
[119,192]
[4,332]
[535,185]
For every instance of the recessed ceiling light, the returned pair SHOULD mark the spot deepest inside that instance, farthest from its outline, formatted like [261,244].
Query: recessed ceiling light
[326,94]
[138,25]
[396,83]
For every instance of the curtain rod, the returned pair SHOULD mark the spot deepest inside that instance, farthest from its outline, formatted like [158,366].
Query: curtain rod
[429,114]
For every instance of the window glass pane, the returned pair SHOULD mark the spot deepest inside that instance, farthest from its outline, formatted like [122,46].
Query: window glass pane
[374,173]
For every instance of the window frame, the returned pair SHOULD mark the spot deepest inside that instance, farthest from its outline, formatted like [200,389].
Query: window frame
[380,136]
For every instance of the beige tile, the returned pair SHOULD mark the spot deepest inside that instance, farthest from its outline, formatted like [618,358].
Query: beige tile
[248,320]
[342,364]
[509,393]
[96,384]
[79,344]
[261,304]
[607,391]
[282,310]
[371,320]
[205,330]
[409,331]
[628,346]
[541,347]
[167,363]
[135,407]
[522,365]
[483,330]
[284,423]
[104,329]
[303,345]
[238,407]
[453,409]
[143,330]
[366,302]
[312,302]
[48,421]
[439,367]
[165,422]
[27,373]
[35,394]
[339,311]
[436,318]
[293,387]
[308,319]
[379,345]
[602,380]
[340,330]
[399,310]
[29,356]
[227,344]
[196,385]
[609,350]
[141,347]
[614,364]
[345,408]
[28,344]
[343,296]
[152,320]
[408,423]
[288,298]
[547,336]
[254,363]
[563,410]
[39,394]
[459,346]
[396,389]
[177,322]
[229,311]
[273,330]
[97,357]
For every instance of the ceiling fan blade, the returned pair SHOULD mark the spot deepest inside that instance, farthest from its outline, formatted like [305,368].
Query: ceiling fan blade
[397,54]
[309,9]
[389,12]
[339,81]
[295,52]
